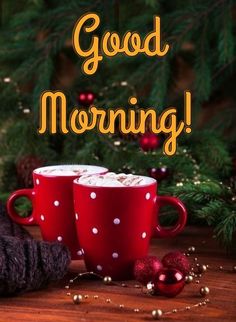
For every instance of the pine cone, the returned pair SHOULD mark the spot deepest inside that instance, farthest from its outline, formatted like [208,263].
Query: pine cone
[25,167]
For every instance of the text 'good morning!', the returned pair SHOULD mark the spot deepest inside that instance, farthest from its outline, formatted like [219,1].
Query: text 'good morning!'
[54,118]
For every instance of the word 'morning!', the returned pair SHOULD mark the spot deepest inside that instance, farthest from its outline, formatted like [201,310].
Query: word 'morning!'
[53,118]
[111,44]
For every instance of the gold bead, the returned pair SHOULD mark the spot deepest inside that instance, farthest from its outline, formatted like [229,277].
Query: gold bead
[68,294]
[204,291]
[234,268]
[202,268]
[86,296]
[107,280]
[220,268]
[108,300]
[191,249]
[136,310]
[95,297]
[150,288]
[77,298]
[137,286]
[174,311]
[124,285]
[197,282]
[71,281]
[67,287]
[188,279]
[121,306]
[157,314]
[187,308]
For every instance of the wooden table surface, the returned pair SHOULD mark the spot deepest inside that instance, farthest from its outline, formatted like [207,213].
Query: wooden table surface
[52,303]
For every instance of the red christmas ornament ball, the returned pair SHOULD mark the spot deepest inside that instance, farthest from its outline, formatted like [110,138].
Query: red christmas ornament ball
[159,173]
[177,260]
[86,98]
[169,282]
[146,269]
[149,141]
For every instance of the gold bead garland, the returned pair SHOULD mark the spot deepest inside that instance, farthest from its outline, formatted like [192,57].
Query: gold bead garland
[195,274]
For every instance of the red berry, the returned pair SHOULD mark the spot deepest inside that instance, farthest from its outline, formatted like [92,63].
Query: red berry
[178,261]
[82,97]
[158,173]
[145,269]
[86,98]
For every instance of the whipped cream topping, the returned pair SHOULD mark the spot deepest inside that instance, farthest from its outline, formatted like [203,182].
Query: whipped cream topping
[69,170]
[112,179]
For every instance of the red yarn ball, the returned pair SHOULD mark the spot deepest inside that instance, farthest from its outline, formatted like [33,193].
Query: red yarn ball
[178,261]
[145,269]
[149,141]
[169,282]
[86,98]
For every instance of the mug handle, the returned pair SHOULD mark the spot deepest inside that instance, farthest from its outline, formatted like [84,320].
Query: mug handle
[161,232]
[28,193]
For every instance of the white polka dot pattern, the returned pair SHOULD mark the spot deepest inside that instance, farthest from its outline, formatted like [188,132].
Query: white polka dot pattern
[76,216]
[116,221]
[115,255]
[144,235]
[37,181]
[95,230]
[56,203]
[59,238]
[80,253]
[99,267]
[42,217]
[147,196]
[93,195]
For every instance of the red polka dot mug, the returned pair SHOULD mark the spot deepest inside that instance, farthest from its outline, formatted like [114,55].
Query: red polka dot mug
[115,224]
[52,203]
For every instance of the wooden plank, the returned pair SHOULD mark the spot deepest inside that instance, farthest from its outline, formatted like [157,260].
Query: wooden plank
[52,303]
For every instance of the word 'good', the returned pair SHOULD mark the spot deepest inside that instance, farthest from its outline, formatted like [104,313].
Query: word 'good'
[53,110]
[110,45]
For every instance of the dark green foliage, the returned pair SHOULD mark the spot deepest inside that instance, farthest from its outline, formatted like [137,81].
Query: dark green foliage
[35,50]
